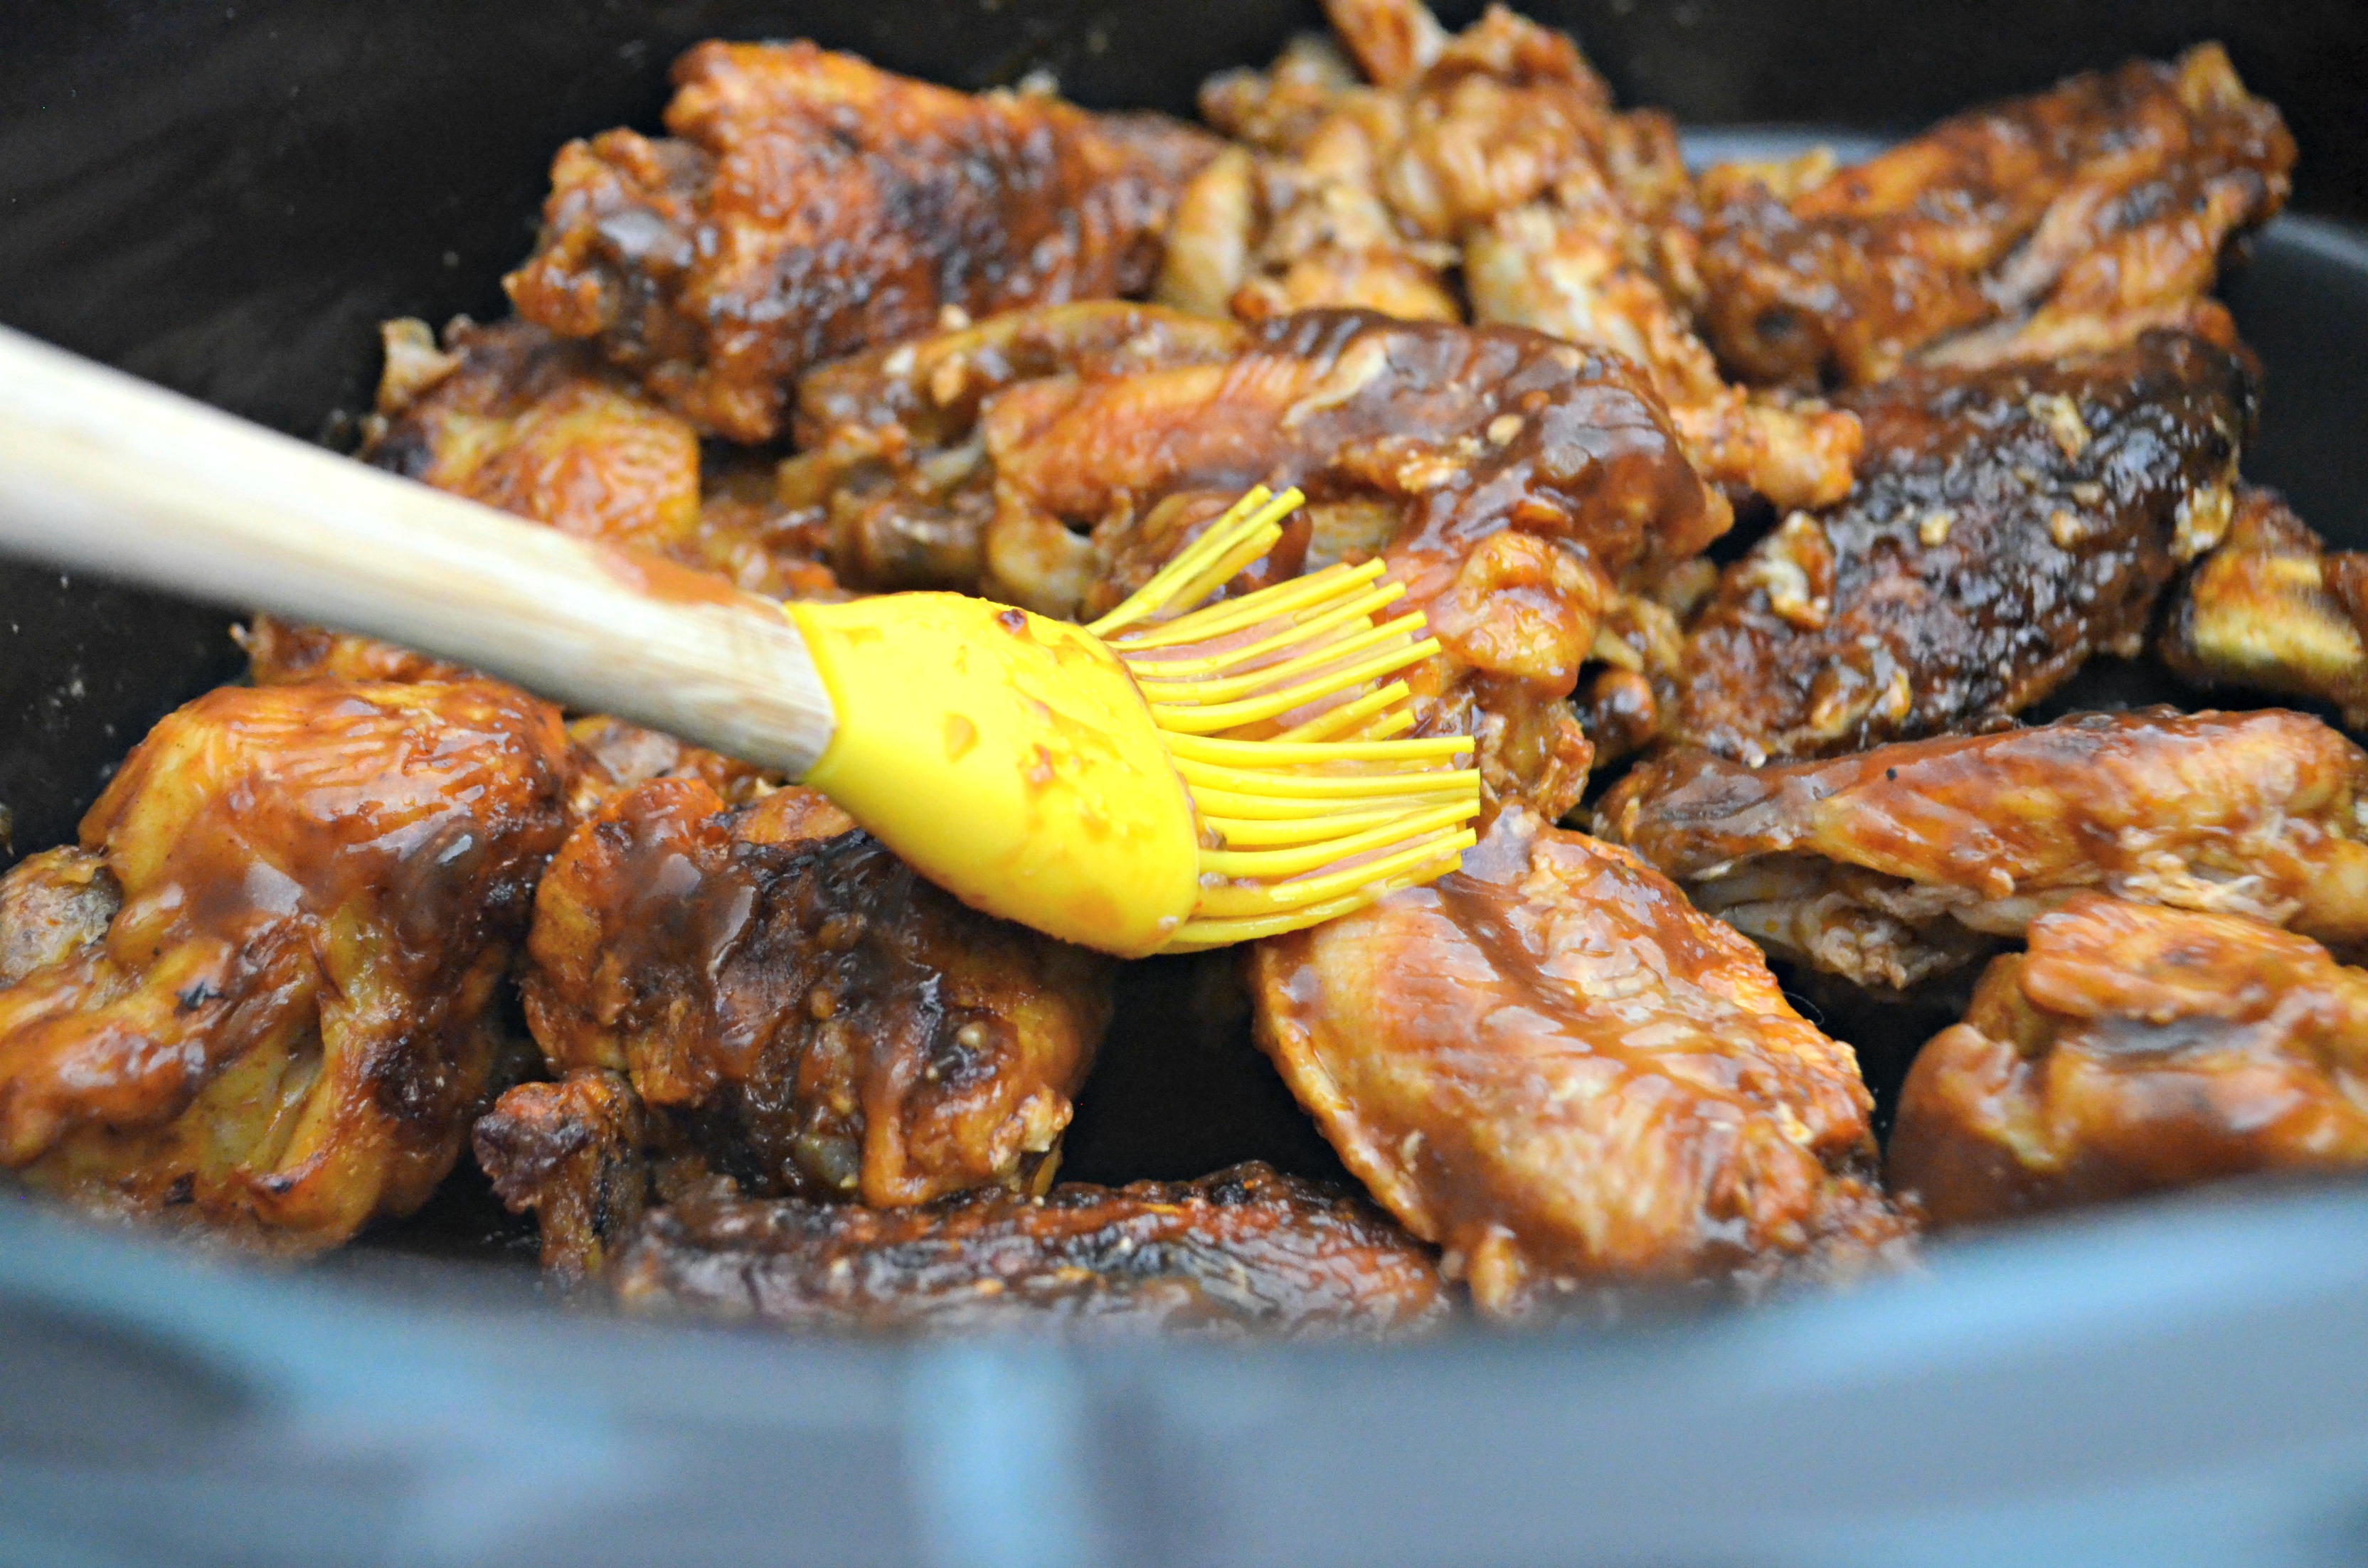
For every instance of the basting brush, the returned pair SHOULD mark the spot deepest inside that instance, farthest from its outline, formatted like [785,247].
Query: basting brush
[1181,774]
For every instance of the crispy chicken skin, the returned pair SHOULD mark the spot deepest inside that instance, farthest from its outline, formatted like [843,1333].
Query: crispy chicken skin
[1245,1252]
[1552,1066]
[2273,609]
[257,999]
[581,1154]
[1517,485]
[794,1006]
[1496,150]
[1892,865]
[2070,220]
[2135,1048]
[807,205]
[2006,523]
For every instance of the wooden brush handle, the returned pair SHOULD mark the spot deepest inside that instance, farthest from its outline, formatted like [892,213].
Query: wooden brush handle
[101,470]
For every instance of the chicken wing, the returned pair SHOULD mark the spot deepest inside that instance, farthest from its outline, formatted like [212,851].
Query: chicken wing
[2073,219]
[890,454]
[510,417]
[1892,865]
[2135,1048]
[2273,609]
[795,1007]
[1498,149]
[1552,1066]
[257,998]
[2006,523]
[1517,485]
[807,205]
[1245,1251]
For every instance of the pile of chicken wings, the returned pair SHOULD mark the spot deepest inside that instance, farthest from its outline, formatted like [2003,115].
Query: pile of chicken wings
[1751,506]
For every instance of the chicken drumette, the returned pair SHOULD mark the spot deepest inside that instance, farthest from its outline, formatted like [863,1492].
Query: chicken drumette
[258,996]
[2134,1049]
[1551,1065]
[767,994]
[1897,864]
[808,205]
[2007,524]
[2064,222]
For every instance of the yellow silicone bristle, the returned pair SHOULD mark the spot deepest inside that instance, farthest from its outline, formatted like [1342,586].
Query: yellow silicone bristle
[1283,718]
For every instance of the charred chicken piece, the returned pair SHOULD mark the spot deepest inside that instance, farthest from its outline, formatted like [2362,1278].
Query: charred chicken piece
[1908,860]
[2273,609]
[2135,1048]
[1245,1252]
[1498,150]
[580,1154]
[806,206]
[257,999]
[2006,523]
[1554,1068]
[2070,221]
[793,1006]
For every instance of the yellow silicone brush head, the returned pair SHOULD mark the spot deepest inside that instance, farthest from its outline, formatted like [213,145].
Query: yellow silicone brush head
[1283,713]
[1168,779]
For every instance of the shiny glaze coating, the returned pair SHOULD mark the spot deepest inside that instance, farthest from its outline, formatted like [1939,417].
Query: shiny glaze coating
[1553,1067]
[1531,481]
[2006,523]
[1245,1252]
[2273,609]
[808,205]
[1891,864]
[1516,485]
[889,453]
[2071,218]
[795,1005]
[258,998]
[2134,1049]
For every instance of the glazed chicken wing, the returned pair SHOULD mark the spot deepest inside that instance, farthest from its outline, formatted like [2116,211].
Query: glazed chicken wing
[258,998]
[796,1007]
[1892,865]
[807,205]
[513,417]
[1497,150]
[2135,1048]
[2273,609]
[1517,485]
[2006,523]
[1245,1251]
[1552,1066]
[890,454]
[2064,222]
